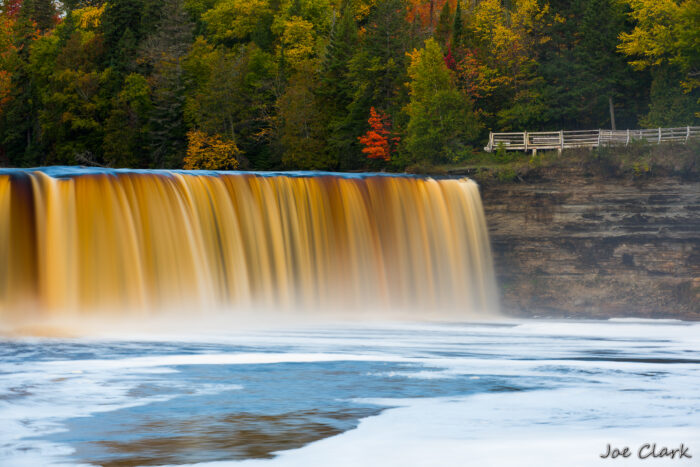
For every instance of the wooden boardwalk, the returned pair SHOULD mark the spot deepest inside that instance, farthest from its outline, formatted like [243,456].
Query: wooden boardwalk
[560,140]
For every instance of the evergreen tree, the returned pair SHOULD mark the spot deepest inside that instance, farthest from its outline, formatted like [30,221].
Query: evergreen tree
[605,75]
[72,97]
[42,12]
[336,91]
[126,129]
[164,51]
[232,96]
[457,26]
[442,32]
[669,105]
[19,123]
[441,120]
[121,29]
[301,128]
[584,72]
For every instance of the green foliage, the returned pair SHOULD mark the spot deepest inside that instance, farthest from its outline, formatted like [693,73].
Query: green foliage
[501,154]
[377,74]
[232,94]
[231,21]
[506,174]
[665,32]
[441,119]
[121,30]
[41,12]
[72,96]
[300,129]
[457,26]
[164,51]
[290,83]
[669,105]
[443,32]
[126,128]
[336,89]
[582,71]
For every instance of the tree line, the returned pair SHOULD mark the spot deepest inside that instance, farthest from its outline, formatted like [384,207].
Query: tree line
[331,84]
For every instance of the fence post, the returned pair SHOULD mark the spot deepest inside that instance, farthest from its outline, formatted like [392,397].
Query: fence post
[659,142]
[598,138]
[687,134]
[627,143]
[525,139]
[561,141]
[490,141]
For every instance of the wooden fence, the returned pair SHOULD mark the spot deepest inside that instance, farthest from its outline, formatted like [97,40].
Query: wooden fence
[559,140]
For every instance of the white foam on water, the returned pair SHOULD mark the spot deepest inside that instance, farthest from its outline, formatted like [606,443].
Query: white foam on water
[541,428]
[640,385]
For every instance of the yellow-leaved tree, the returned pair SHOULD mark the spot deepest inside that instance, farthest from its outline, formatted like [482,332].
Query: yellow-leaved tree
[210,152]
[666,36]
[500,64]
[666,31]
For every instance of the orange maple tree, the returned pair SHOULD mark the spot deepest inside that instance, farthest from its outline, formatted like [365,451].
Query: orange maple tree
[378,142]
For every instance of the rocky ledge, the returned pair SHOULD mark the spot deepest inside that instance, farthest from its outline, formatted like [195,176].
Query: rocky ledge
[568,244]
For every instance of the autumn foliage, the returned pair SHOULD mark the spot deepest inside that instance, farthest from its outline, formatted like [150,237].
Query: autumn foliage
[207,152]
[424,12]
[450,60]
[290,84]
[378,142]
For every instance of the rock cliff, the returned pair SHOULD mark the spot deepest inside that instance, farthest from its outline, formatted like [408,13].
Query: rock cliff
[568,244]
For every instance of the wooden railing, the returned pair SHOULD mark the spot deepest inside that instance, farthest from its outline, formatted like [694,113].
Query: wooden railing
[560,140]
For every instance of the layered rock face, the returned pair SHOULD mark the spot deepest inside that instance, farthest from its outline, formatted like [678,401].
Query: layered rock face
[577,246]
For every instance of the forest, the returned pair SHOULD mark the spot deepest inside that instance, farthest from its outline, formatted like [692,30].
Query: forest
[331,84]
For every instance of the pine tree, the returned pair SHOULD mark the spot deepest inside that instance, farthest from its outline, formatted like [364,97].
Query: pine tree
[42,12]
[442,122]
[457,26]
[121,29]
[19,125]
[125,142]
[72,99]
[300,126]
[336,91]
[20,130]
[669,106]
[442,32]
[341,47]
[164,51]
[604,72]
[582,68]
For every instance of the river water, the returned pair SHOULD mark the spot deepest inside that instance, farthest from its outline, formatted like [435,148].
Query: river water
[530,392]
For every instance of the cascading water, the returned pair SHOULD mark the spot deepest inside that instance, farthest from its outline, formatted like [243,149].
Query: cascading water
[87,241]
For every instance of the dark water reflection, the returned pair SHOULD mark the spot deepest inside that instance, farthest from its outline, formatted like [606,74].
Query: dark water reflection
[233,436]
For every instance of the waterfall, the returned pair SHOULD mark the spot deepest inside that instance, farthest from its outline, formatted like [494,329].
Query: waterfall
[130,242]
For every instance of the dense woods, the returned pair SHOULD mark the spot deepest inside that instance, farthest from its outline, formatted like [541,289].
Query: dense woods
[331,84]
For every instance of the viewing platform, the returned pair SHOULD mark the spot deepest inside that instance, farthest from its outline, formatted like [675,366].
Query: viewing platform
[560,140]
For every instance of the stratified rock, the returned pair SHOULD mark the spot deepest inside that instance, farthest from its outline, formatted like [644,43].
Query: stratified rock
[578,246]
